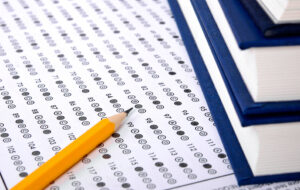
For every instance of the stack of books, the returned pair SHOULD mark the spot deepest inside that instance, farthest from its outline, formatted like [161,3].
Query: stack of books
[246,56]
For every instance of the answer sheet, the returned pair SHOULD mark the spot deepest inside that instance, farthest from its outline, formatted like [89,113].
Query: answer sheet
[65,65]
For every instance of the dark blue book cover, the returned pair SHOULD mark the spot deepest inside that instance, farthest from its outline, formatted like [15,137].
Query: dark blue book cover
[246,32]
[265,24]
[234,151]
[249,112]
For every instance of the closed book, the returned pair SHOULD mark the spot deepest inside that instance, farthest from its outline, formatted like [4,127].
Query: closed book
[265,24]
[249,111]
[224,116]
[282,11]
[268,66]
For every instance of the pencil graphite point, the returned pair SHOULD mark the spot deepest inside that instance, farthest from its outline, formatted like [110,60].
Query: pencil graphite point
[127,111]
[118,118]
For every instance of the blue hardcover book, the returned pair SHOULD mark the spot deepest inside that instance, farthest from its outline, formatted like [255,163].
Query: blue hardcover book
[249,112]
[233,148]
[271,59]
[264,23]
[245,30]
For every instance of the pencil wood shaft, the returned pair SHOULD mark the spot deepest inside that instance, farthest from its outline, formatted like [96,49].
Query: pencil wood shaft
[70,155]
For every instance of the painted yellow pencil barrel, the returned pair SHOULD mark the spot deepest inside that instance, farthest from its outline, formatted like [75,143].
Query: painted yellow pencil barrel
[67,157]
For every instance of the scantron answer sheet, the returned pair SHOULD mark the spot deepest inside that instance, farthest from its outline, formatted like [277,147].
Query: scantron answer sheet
[67,64]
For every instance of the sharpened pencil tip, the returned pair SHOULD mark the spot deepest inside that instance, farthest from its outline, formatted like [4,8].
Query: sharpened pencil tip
[127,111]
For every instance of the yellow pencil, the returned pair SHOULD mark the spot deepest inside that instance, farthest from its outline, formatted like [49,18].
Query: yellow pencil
[66,158]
